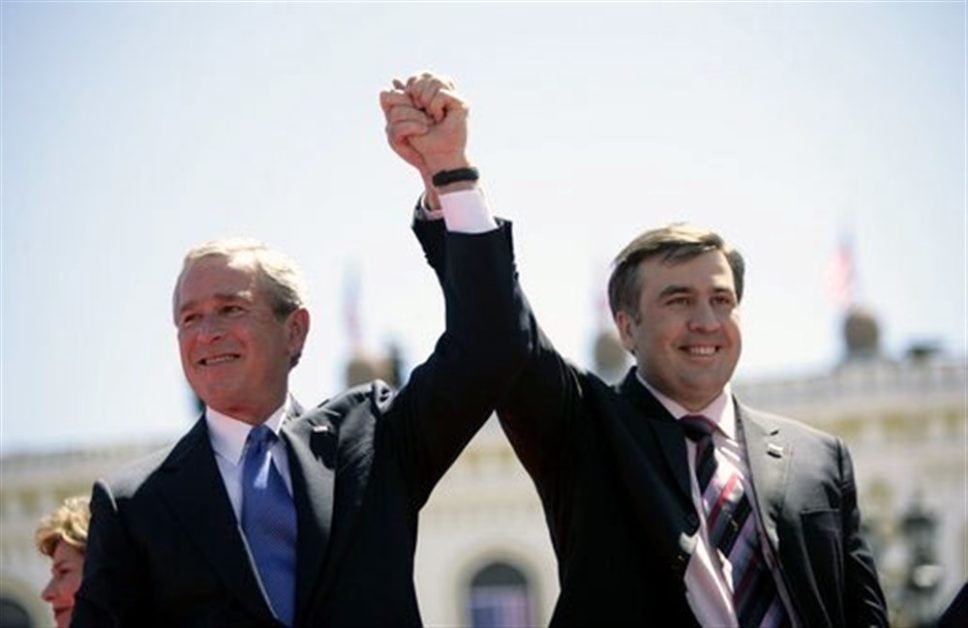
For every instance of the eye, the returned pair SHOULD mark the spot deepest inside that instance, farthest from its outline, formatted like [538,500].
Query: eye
[188,319]
[723,300]
[679,301]
[231,309]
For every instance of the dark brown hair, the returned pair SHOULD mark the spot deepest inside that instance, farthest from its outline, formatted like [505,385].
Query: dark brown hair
[675,243]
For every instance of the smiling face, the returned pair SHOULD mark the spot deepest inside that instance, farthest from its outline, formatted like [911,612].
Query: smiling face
[235,351]
[67,566]
[686,334]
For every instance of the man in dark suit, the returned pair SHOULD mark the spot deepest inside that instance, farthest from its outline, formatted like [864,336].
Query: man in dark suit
[266,515]
[670,502]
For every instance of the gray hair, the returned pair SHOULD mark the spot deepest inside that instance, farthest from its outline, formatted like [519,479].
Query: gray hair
[278,272]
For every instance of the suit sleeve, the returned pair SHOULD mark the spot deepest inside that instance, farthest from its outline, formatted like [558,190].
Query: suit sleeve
[474,362]
[863,598]
[112,589]
[542,399]
[432,236]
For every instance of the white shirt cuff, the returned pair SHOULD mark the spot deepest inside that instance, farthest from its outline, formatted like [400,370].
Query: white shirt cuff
[466,211]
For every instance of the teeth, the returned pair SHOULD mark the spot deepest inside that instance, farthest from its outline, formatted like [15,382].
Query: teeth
[219,359]
[701,350]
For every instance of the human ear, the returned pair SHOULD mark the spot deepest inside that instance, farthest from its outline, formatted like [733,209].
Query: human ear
[297,326]
[626,326]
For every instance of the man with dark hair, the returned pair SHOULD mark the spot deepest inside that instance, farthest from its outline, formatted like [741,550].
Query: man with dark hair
[268,515]
[670,502]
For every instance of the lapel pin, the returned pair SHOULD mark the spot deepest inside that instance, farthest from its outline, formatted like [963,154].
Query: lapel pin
[774,450]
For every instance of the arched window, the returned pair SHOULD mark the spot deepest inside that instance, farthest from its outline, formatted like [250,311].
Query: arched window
[499,597]
[13,615]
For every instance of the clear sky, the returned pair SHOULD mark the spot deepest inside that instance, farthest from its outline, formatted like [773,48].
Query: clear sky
[132,131]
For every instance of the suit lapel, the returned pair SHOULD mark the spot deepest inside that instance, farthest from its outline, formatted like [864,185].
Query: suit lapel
[769,457]
[672,442]
[311,442]
[194,488]
[352,451]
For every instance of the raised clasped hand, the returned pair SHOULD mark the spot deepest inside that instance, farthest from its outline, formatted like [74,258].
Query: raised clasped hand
[426,123]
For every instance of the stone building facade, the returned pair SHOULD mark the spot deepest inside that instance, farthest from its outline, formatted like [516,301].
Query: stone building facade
[484,557]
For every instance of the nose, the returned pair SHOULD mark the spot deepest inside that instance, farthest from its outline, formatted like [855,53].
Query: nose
[210,329]
[49,594]
[704,318]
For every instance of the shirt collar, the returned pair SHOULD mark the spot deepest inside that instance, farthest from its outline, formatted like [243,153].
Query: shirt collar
[228,435]
[720,411]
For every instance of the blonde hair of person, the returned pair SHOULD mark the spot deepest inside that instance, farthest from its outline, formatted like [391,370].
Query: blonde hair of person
[68,523]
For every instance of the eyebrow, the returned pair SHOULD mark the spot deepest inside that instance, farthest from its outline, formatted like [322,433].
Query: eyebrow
[222,297]
[673,289]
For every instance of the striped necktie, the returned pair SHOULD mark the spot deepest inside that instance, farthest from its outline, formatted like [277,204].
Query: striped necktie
[269,523]
[732,530]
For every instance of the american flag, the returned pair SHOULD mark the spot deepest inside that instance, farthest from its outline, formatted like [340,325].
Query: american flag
[839,277]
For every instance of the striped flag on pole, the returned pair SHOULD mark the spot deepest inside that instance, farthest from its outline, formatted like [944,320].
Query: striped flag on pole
[839,276]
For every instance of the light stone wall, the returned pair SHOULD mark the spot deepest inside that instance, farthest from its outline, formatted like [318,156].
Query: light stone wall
[485,509]
[905,424]
[31,487]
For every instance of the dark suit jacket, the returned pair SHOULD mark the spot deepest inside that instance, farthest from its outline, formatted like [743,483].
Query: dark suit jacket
[610,467]
[165,549]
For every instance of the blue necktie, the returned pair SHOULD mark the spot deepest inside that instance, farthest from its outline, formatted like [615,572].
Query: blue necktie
[269,523]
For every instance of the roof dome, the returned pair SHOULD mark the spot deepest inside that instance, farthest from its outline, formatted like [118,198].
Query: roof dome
[862,333]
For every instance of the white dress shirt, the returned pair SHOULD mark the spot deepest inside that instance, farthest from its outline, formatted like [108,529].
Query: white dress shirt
[228,437]
[707,582]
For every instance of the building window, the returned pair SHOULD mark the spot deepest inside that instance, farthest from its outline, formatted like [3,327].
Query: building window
[499,597]
[13,615]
